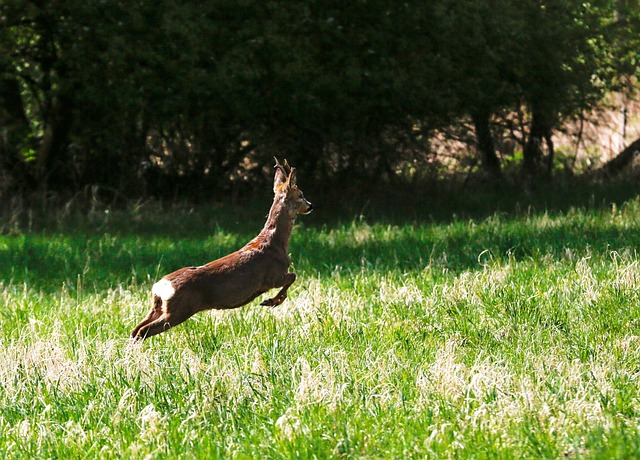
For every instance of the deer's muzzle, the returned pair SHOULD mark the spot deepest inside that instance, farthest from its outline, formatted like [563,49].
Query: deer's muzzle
[309,207]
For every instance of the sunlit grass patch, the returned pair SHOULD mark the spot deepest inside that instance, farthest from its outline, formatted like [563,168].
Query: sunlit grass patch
[514,336]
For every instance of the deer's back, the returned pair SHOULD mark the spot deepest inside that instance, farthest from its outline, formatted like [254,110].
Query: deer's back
[229,282]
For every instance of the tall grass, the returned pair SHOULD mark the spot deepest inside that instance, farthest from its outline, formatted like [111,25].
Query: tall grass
[513,335]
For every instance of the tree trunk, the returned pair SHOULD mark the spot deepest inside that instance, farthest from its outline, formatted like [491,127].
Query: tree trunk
[486,147]
[551,152]
[622,160]
[52,156]
[14,131]
[533,154]
[11,105]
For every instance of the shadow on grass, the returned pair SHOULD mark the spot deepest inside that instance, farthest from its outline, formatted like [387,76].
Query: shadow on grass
[390,229]
[120,254]
[468,245]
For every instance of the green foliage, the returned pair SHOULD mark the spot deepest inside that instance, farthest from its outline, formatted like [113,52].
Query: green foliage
[169,97]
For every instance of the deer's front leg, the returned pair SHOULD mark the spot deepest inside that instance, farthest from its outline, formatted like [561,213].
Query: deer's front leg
[287,281]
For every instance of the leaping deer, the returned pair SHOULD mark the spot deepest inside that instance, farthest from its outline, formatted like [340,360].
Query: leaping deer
[238,278]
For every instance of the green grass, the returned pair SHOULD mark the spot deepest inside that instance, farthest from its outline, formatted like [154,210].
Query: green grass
[510,336]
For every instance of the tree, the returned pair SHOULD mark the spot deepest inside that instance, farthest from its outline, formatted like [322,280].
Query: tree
[176,97]
[625,37]
[563,70]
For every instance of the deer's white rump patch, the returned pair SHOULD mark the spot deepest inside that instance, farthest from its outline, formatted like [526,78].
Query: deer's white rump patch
[163,289]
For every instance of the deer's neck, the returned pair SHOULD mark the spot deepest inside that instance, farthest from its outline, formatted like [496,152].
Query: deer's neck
[277,228]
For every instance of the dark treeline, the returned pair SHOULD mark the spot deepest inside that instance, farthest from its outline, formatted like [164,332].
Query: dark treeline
[184,98]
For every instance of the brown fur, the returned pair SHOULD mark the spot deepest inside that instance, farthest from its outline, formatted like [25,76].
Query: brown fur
[236,279]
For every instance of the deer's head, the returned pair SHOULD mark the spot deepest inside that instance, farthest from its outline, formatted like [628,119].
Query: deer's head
[284,186]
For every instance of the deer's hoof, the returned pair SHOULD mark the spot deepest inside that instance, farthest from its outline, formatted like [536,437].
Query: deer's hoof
[273,302]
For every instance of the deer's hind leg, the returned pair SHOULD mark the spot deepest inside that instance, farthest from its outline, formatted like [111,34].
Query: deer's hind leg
[287,280]
[154,314]
[165,321]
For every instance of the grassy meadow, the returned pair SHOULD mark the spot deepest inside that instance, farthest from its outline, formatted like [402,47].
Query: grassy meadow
[509,335]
